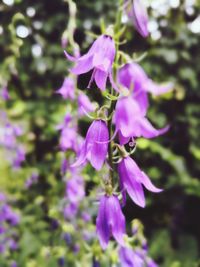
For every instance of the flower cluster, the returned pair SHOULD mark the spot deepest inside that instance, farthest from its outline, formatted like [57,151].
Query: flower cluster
[8,220]
[9,134]
[116,126]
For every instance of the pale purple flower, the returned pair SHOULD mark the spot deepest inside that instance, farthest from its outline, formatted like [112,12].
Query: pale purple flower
[19,157]
[67,90]
[9,215]
[110,221]
[14,264]
[100,57]
[84,105]
[138,14]
[31,180]
[95,146]
[4,93]
[68,139]
[132,180]
[64,166]
[70,210]
[75,189]
[130,121]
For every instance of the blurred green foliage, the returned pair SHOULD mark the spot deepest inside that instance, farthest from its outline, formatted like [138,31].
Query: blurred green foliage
[35,67]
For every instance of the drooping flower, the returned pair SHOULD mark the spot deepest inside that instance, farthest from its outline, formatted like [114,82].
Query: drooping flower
[110,221]
[138,14]
[130,121]
[100,57]
[95,146]
[84,104]
[132,76]
[132,179]
[67,90]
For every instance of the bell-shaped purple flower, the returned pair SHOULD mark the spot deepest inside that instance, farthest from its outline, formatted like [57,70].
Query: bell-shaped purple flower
[130,121]
[100,57]
[95,146]
[4,93]
[138,14]
[132,179]
[132,76]
[110,221]
[67,90]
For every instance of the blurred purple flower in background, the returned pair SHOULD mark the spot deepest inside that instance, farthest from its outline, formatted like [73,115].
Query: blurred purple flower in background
[110,221]
[84,104]
[4,93]
[138,14]
[67,90]
[95,146]
[100,57]
[132,179]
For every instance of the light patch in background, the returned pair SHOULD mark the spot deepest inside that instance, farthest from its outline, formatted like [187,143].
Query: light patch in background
[87,24]
[124,18]
[174,3]
[36,50]
[195,25]
[152,25]
[37,25]
[30,12]
[22,31]
[1,30]
[8,2]
[156,35]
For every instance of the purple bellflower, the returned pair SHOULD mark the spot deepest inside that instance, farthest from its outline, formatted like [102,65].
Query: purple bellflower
[67,90]
[95,146]
[100,57]
[132,76]
[110,221]
[132,179]
[131,122]
[138,14]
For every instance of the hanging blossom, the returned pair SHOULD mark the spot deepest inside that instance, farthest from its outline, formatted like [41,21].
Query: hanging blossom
[95,146]
[110,221]
[133,77]
[100,58]
[131,121]
[138,14]
[132,180]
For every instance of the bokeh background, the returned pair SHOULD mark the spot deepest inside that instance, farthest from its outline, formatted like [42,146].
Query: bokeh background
[33,65]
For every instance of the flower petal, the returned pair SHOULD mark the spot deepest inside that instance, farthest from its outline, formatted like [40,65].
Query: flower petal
[103,230]
[100,79]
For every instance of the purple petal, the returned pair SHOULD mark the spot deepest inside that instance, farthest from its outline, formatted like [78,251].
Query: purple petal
[148,131]
[100,79]
[116,219]
[157,89]
[140,18]
[103,230]
[84,64]
[148,184]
